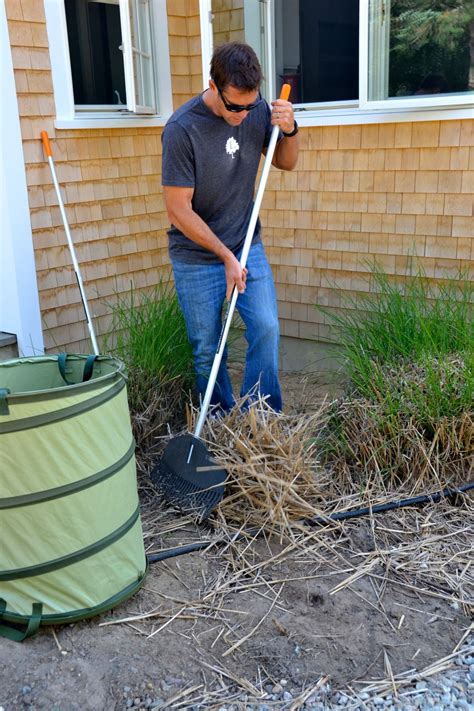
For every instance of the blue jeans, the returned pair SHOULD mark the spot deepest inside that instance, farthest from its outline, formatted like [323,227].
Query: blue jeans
[201,290]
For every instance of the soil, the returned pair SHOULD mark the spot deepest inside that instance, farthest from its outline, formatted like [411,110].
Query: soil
[298,631]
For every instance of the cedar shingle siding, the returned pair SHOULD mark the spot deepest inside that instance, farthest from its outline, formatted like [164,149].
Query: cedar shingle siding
[385,191]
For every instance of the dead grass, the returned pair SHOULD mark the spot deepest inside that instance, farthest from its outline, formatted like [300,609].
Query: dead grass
[274,477]
[364,449]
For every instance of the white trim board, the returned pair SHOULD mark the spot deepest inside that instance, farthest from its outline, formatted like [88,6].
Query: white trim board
[19,301]
[345,117]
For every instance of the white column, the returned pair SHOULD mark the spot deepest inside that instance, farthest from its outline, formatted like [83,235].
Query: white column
[19,302]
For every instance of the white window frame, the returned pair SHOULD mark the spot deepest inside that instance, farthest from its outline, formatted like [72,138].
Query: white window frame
[368,11]
[128,51]
[69,115]
[422,108]
[266,13]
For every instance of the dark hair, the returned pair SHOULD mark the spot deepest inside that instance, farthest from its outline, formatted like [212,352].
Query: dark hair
[236,64]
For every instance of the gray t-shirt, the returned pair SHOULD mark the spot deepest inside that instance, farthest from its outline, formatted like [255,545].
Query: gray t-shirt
[202,151]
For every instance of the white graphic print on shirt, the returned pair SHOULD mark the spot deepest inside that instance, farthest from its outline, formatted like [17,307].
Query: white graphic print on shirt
[231,146]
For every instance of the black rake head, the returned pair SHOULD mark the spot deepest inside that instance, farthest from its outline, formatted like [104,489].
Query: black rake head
[188,477]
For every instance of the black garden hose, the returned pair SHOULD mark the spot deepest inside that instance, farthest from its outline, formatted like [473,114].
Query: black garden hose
[341,516]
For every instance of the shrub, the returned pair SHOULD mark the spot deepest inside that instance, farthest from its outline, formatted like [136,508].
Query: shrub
[149,335]
[409,413]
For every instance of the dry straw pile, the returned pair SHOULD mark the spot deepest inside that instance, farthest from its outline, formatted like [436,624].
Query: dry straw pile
[274,476]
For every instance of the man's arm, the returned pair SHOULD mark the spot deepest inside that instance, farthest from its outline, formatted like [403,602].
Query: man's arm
[178,203]
[286,153]
[287,149]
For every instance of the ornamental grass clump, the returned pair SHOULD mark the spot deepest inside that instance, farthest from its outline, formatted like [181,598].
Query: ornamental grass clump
[408,416]
[149,334]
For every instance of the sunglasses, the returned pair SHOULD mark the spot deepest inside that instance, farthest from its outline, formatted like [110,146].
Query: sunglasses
[238,108]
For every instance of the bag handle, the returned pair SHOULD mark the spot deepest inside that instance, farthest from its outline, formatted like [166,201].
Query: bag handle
[4,392]
[87,372]
[19,635]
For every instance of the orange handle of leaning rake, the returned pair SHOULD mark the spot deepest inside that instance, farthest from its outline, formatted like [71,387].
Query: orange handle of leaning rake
[46,143]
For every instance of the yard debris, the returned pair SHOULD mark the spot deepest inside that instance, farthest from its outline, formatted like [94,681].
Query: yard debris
[260,550]
[274,477]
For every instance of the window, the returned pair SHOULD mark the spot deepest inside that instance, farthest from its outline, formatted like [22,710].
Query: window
[109,60]
[317,49]
[356,57]
[244,21]
[420,49]
[95,50]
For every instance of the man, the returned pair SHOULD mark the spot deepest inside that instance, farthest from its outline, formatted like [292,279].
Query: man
[211,151]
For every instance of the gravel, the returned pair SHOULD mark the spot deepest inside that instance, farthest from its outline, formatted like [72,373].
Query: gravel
[453,690]
[449,691]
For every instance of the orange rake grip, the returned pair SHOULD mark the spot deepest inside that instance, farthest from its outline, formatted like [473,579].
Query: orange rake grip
[46,143]
[285,92]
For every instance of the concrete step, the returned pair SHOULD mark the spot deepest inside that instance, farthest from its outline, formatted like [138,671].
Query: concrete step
[8,346]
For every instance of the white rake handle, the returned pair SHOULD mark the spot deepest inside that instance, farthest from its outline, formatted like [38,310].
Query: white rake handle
[49,153]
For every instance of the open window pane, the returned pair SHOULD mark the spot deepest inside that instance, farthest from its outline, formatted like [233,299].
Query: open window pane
[140,29]
[315,45]
[242,21]
[95,36]
[420,47]
[317,49]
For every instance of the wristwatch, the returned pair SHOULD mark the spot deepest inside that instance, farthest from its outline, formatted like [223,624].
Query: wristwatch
[292,133]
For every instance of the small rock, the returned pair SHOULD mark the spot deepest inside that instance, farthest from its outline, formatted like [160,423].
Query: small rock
[173,680]
[277,689]
[26,690]
[287,696]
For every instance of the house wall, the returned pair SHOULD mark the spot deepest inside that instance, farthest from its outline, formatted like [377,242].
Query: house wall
[111,181]
[385,191]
